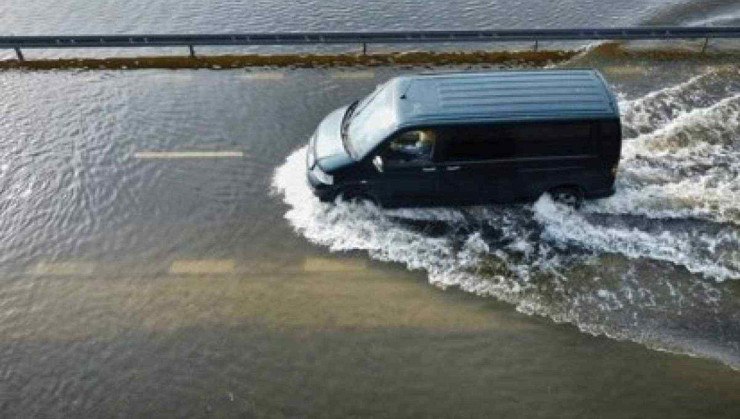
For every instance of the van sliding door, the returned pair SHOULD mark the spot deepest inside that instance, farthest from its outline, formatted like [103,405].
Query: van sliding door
[475,166]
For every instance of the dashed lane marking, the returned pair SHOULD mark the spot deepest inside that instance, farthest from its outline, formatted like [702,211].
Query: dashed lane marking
[721,68]
[333,265]
[202,266]
[187,154]
[205,267]
[353,75]
[62,268]
[265,76]
[625,70]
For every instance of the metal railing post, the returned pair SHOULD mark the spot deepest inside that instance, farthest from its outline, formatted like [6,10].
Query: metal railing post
[364,48]
[192,51]
[18,53]
[536,45]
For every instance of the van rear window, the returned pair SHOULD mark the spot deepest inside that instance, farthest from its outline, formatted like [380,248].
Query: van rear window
[505,141]
[479,143]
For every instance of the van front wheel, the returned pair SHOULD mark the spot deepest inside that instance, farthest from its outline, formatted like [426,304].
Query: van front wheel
[567,195]
[355,196]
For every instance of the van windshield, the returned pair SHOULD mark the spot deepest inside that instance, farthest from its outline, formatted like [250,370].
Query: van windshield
[372,121]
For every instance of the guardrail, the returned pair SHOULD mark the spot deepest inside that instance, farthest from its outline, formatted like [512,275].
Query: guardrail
[364,38]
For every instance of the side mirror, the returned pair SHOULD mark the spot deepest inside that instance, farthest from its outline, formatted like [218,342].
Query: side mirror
[378,163]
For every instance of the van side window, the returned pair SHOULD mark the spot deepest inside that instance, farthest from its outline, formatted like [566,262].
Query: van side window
[553,139]
[505,141]
[414,146]
[479,143]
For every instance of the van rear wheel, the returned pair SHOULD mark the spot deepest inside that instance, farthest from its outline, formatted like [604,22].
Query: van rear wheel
[567,195]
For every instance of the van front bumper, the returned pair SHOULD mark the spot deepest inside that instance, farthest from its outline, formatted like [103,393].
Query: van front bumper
[323,191]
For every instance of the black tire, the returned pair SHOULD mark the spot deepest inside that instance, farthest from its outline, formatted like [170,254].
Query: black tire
[567,195]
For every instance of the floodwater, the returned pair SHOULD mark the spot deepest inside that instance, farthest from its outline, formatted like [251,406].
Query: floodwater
[184,285]
[21,17]
[160,253]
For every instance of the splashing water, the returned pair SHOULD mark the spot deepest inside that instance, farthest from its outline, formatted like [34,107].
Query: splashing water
[652,264]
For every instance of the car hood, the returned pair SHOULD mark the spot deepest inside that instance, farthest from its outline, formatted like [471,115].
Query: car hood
[328,147]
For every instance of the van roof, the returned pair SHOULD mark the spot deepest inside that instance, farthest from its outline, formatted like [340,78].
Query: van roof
[502,96]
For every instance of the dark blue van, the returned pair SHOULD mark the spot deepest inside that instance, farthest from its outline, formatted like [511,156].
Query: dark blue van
[471,138]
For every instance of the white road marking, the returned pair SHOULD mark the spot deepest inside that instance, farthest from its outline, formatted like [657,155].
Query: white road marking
[202,266]
[353,75]
[62,268]
[722,68]
[333,265]
[207,267]
[272,75]
[187,154]
[626,70]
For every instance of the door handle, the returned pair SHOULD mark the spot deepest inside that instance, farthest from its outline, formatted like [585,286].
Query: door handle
[452,168]
[429,169]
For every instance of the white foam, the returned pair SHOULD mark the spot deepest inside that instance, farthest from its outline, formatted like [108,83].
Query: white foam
[689,167]
[691,132]
[566,225]
[709,197]
[654,110]
[346,226]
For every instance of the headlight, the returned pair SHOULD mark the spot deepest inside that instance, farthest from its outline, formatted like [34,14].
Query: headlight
[321,176]
[310,153]
[311,158]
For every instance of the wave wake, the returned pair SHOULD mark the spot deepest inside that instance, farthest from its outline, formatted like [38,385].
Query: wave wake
[649,264]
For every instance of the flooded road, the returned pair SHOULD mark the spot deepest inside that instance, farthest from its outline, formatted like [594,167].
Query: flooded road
[161,254]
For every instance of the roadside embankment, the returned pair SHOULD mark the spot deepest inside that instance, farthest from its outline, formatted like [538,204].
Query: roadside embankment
[293,60]
[415,58]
